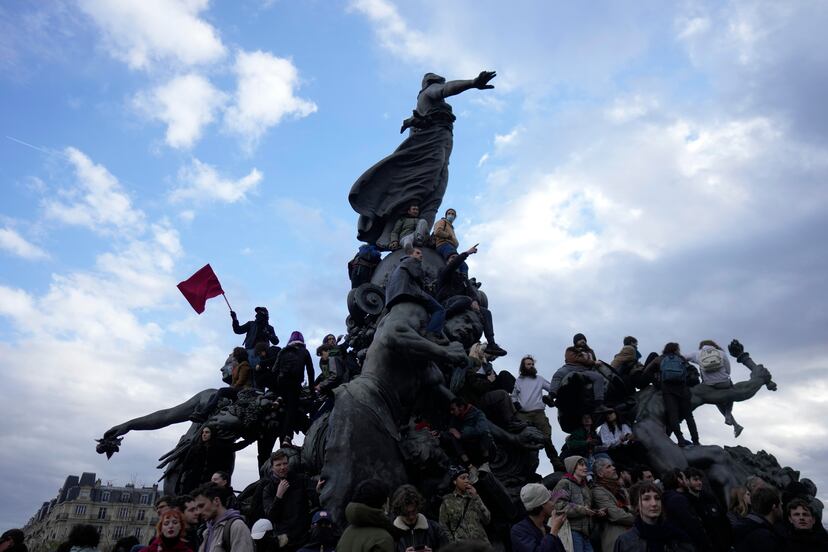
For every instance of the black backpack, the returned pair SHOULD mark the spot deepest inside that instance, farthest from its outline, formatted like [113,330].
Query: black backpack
[290,364]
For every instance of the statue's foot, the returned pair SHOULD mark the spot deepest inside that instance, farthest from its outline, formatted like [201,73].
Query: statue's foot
[737,430]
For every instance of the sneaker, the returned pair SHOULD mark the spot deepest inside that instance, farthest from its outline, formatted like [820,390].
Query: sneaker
[495,350]
[682,443]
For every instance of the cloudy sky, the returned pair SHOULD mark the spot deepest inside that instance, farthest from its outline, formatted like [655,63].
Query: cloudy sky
[652,168]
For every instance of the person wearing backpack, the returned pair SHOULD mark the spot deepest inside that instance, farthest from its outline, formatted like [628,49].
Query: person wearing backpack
[671,370]
[291,364]
[715,372]
[226,529]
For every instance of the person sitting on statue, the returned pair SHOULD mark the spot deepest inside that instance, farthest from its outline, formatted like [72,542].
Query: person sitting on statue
[445,240]
[462,511]
[715,372]
[579,358]
[621,445]
[406,284]
[475,383]
[414,530]
[362,266]
[528,399]
[627,363]
[468,433]
[241,380]
[457,293]
[291,365]
[671,370]
[584,441]
[409,230]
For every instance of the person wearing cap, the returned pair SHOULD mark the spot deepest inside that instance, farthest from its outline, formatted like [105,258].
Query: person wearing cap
[263,537]
[292,363]
[576,501]
[579,358]
[323,534]
[369,529]
[255,331]
[415,531]
[462,511]
[533,533]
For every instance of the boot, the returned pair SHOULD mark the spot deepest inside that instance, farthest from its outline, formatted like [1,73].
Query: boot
[495,350]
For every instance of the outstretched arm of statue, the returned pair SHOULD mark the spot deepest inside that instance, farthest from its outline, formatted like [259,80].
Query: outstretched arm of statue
[162,418]
[741,391]
[481,82]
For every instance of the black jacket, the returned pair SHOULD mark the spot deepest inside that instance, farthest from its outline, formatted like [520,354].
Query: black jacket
[451,281]
[289,514]
[680,512]
[290,364]
[714,519]
[753,533]
[256,330]
[405,283]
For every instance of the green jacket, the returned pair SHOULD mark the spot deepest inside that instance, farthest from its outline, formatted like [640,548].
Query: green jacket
[575,503]
[369,530]
[404,226]
[464,516]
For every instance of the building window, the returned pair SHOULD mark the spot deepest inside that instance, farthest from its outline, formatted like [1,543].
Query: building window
[123,513]
[118,532]
[141,514]
[101,513]
[125,497]
[144,499]
[80,509]
[105,496]
[137,533]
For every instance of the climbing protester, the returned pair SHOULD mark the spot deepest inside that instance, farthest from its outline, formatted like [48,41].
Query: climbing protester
[650,532]
[534,533]
[618,440]
[584,441]
[715,372]
[468,434]
[415,530]
[457,294]
[671,370]
[462,512]
[445,240]
[579,358]
[575,500]
[528,395]
[255,331]
[240,380]
[293,362]
[361,268]
[406,284]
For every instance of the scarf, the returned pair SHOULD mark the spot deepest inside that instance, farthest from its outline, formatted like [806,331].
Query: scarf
[614,486]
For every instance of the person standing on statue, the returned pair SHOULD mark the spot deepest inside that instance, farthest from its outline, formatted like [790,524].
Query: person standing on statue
[255,331]
[417,172]
[528,398]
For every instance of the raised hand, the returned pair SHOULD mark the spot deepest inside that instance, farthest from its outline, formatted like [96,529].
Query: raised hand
[482,80]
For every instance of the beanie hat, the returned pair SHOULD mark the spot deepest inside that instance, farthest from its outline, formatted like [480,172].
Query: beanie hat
[168,514]
[259,529]
[296,337]
[457,471]
[533,495]
[577,337]
[571,461]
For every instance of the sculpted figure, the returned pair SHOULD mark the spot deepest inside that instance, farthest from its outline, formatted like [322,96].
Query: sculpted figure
[417,172]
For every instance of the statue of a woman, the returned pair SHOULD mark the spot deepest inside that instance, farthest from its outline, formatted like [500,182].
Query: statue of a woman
[417,172]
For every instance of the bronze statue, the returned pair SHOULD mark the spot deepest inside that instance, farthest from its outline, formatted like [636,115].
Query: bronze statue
[417,171]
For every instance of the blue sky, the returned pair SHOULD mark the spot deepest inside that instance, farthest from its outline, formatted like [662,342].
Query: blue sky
[656,170]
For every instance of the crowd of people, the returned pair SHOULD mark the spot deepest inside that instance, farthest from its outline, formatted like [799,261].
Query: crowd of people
[606,497]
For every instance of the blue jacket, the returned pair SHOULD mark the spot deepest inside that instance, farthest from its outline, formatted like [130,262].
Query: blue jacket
[526,537]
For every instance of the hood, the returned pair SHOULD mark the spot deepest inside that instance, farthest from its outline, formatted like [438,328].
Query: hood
[362,515]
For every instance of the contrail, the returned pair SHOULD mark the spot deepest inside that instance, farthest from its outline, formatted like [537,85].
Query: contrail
[28,145]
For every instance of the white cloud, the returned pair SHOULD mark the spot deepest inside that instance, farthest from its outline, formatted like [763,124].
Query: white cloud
[264,95]
[16,244]
[186,104]
[201,182]
[97,200]
[143,33]
[483,159]
[502,141]
[393,31]
[629,108]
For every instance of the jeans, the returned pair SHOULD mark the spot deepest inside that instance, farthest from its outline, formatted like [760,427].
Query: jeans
[438,315]
[580,542]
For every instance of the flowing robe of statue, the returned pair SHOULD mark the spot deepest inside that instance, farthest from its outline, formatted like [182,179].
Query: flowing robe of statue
[417,171]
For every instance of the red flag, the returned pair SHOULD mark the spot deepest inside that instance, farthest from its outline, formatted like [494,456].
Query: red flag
[201,286]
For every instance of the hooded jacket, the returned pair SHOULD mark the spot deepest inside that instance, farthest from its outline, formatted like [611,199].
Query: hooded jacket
[575,503]
[425,532]
[240,539]
[368,530]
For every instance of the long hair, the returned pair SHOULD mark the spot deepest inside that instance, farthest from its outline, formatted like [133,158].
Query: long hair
[639,489]
[522,370]
[738,501]
[478,354]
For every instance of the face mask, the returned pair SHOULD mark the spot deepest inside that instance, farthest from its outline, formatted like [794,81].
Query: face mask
[451,218]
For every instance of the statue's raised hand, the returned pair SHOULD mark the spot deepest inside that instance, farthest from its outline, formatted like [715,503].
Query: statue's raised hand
[482,80]
[735,348]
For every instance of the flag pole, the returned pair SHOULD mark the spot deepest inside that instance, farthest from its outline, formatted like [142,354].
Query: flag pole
[226,301]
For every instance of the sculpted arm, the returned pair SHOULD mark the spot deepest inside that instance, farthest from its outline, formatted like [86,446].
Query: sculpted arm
[452,88]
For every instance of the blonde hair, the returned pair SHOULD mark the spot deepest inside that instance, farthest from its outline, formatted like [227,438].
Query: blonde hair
[478,353]
[738,502]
